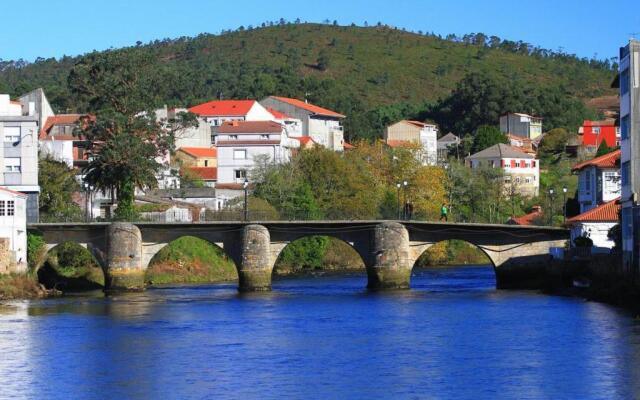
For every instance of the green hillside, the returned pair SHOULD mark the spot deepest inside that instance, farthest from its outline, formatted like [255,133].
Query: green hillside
[371,74]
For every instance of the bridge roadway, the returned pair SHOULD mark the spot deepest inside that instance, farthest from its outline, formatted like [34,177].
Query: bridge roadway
[389,249]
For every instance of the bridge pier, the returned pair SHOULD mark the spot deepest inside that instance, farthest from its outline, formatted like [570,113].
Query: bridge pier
[255,267]
[391,262]
[124,270]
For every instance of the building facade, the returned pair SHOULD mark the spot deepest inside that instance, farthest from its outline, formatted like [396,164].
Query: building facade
[629,83]
[217,112]
[521,170]
[523,125]
[595,224]
[445,145]
[593,133]
[13,231]
[197,157]
[424,136]
[598,180]
[19,151]
[322,125]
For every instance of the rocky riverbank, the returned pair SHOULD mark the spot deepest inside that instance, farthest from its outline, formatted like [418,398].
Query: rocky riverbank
[15,286]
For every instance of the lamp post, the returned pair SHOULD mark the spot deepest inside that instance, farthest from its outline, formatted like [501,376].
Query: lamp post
[398,187]
[564,204]
[245,186]
[87,202]
[404,212]
[551,206]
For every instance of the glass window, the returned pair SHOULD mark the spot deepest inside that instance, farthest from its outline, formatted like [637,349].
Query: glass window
[239,154]
[11,207]
[596,130]
[11,134]
[12,164]
[625,82]
[624,127]
[626,172]
[241,173]
[2,212]
[233,137]
[264,136]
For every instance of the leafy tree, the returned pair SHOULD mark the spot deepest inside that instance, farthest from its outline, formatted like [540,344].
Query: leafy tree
[324,60]
[127,139]
[554,142]
[487,136]
[57,186]
[604,149]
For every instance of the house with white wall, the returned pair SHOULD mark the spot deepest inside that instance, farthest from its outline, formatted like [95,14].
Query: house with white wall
[19,126]
[599,180]
[595,224]
[240,142]
[13,231]
[410,134]
[217,112]
[324,126]
[521,170]
[519,124]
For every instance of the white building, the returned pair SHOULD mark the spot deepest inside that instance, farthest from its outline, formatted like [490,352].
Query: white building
[599,180]
[410,134]
[445,144]
[519,124]
[629,82]
[322,125]
[521,170]
[595,224]
[13,231]
[19,150]
[217,112]
[240,142]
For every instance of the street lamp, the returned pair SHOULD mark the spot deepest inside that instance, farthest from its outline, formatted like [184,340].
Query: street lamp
[245,186]
[398,187]
[564,204]
[405,211]
[551,206]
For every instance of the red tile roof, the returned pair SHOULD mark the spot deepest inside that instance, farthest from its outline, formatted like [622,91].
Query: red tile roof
[304,140]
[609,160]
[62,119]
[348,146]
[277,114]
[225,143]
[606,122]
[211,152]
[250,127]
[527,219]
[13,192]
[223,108]
[205,173]
[309,107]
[230,186]
[606,212]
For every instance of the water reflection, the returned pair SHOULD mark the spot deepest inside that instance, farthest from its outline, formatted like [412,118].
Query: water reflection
[452,336]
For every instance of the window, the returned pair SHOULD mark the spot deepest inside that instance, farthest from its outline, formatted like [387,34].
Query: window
[626,173]
[11,134]
[233,137]
[587,181]
[264,136]
[241,173]
[11,208]
[206,163]
[2,208]
[527,179]
[239,154]
[625,82]
[624,127]
[12,164]
[596,130]
[518,164]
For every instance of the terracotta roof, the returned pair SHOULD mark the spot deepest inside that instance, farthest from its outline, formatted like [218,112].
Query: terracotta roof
[15,102]
[231,186]
[501,150]
[250,127]
[225,143]
[606,212]
[606,122]
[418,123]
[277,114]
[348,146]
[609,160]
[200,151]
[305,140]
[223,108]
[205,173]
[60,137]
[62,119]
[13,192]
[309,107]
[526,219]
[402,144]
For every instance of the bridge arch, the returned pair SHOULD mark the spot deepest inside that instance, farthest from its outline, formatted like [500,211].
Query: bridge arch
[188,259]
[70,266]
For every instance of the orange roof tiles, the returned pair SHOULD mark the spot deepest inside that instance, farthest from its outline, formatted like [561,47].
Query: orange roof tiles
[304,140]
[609,160]
[250,127]
[606,212]
[309,107]
[526,219]
[606,122]
[277,114]
[62,119]
[348,146]
[200,151]
[225,143]
[205,173]
[223,108]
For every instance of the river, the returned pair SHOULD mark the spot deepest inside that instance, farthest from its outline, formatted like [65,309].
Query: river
[451,336]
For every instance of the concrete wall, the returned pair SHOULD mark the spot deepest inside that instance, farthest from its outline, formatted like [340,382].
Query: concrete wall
[60,150]
[228,164]
[597,231]
[13,228]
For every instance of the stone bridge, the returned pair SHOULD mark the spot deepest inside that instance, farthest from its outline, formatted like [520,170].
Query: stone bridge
[389,249]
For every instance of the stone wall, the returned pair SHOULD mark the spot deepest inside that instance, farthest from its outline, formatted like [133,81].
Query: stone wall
[7,257]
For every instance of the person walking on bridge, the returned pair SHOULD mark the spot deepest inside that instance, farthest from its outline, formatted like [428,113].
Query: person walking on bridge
[444,213]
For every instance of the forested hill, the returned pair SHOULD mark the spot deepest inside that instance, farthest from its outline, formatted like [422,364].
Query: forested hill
[372,74]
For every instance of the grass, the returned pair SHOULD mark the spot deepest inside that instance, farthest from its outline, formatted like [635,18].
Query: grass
[20,286]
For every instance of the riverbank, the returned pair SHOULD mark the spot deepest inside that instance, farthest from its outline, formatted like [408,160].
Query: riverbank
[20,286]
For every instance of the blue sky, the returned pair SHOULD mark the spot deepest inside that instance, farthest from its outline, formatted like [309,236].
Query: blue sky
[50,28]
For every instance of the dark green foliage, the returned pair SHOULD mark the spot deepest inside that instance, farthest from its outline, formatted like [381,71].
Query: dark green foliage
[554,142]
[604,149]
[615,234]
[305,253]
[73,258]
[502,75]
[486,136]
[36,247]
[583,241]
[57,185]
